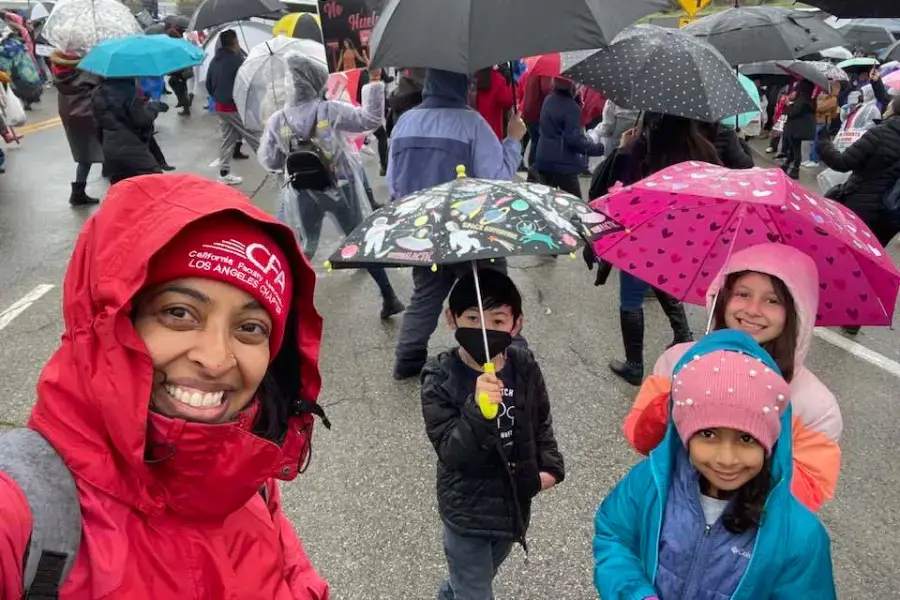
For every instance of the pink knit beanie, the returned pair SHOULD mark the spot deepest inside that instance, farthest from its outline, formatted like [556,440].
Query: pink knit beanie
[729,389]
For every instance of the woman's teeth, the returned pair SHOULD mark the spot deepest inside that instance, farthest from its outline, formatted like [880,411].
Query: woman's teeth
[195,398]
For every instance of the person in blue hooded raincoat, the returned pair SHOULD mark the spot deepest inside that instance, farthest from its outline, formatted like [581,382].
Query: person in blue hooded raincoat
[709,515]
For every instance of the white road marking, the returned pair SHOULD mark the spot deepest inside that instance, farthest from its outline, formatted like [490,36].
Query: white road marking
[857,350]
[22,304]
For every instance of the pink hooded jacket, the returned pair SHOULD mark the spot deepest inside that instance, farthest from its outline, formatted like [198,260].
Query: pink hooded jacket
[817,418]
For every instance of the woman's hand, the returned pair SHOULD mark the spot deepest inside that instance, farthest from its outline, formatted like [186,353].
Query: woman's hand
[628,137]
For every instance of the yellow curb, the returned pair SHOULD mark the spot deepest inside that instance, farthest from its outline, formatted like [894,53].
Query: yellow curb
[40,126]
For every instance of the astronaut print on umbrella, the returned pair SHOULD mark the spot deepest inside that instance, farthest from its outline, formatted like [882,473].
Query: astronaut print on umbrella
[469,219]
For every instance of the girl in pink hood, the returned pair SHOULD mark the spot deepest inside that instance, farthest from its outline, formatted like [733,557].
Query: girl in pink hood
[770,291]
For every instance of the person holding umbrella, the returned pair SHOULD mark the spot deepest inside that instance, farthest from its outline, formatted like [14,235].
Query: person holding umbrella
[488,469]
[427,146]
[800,126]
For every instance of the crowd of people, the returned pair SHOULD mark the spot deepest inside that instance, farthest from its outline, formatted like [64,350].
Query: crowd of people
[169,454]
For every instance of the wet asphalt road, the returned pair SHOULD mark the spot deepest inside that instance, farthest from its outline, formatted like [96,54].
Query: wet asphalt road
[366,508]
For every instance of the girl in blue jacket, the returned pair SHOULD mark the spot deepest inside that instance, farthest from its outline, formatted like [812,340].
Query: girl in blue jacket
[709,515]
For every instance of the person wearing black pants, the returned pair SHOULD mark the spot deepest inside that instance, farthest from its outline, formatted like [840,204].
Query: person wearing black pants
[563,147]
[800,126]
[382,137]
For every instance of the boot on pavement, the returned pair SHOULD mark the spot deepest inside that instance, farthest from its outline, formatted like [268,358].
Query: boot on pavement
[677,318]
[79,196]
[632,368]
[237,154]
[391,306]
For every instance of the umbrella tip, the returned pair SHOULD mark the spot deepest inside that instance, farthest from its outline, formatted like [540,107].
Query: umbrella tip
[434,268]
[327,265]
[572,255]
[460,171]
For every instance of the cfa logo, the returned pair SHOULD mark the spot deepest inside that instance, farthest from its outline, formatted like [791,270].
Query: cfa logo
[263,259]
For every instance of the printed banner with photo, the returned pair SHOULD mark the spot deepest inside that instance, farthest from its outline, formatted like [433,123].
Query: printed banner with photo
[346,28]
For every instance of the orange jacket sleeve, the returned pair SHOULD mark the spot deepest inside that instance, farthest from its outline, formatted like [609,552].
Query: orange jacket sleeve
[301,576]
[817,462]
[645,425]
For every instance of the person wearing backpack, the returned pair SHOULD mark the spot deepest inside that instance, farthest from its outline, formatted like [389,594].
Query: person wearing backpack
[184,386]
[307,140]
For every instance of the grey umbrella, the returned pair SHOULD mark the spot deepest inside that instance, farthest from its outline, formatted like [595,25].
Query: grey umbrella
[758,33]
[664,71]
[818,72]
[216,12]
[858,8]
[892,53]
[866,34]
[765,73]
[466,35]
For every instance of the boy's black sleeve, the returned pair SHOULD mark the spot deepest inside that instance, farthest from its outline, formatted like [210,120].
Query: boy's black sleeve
[463,439]
[549,457]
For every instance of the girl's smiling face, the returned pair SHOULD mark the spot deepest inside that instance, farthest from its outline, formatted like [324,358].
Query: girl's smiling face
[209,342]
[754,308]
[726,458]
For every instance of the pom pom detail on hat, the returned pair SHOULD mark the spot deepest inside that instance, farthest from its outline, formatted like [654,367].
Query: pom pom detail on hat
[725,389]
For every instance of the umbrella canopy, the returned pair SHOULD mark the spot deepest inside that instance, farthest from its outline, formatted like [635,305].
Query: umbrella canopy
[892,53]
[141,56]
[155,29]
[544,65]
[662,70]
[179,22]
[766,73]
[836,53]
[303,26]
[818,72]
[217,12]
[857,8]
[249,33]
[259,87]
[682,224]
[466,220]
[855,65]
[478,34]
[758,33]
[39,11]
[144,18]
[892,81]
[744,119]
[867,36]
[76,26]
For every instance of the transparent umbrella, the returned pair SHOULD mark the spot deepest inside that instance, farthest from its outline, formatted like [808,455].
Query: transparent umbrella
[259,88]
[78,25]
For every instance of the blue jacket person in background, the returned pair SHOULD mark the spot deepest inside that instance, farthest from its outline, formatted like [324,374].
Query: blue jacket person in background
[710,514]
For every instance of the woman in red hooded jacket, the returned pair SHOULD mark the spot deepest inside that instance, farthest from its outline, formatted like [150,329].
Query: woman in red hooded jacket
[493,98]
[183,388]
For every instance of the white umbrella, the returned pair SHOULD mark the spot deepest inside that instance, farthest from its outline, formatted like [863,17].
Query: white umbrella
[40,10]
[259,88]
[249,33]
[836,53]
[79,25]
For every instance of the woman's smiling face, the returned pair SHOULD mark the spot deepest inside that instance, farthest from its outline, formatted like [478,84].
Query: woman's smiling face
[755,308]
[210,340]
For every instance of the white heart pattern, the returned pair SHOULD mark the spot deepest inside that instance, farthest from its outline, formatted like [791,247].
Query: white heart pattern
[762,193]
[668,177]
[698,176]
[729,193]
[743,183]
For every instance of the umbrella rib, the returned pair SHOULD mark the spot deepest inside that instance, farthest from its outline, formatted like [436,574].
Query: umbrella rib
[708,252]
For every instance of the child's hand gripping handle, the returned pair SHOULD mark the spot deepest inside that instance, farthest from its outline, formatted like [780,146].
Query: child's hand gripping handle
[489,410]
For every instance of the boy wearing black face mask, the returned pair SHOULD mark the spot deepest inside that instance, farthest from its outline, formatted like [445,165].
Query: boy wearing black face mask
[488,469]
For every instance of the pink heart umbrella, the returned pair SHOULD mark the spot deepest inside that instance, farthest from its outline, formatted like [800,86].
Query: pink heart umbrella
[892,80]
[682,223]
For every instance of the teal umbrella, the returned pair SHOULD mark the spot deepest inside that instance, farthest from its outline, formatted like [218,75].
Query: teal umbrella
[744,119]
[859,63]
[141,56]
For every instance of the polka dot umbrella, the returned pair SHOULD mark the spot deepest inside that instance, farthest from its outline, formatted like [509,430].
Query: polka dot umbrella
[662,70]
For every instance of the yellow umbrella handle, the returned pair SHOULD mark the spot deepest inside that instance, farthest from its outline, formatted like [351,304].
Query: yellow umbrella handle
[488,410]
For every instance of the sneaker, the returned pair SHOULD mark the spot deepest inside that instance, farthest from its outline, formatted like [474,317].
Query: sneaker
[366,149]
[231,179]
[769,150]
[167,167]
[810,164]
[215,164]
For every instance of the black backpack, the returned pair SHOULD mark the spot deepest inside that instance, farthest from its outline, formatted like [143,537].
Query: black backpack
[308,165]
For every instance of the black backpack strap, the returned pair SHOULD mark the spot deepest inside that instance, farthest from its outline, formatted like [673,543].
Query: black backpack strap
[46,482]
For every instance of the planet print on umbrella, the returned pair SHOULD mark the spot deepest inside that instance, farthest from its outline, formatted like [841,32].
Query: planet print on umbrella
[520,205]
[349,251]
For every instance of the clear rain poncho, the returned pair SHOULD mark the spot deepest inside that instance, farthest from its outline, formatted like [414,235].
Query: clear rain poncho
[860,114]
[335,124]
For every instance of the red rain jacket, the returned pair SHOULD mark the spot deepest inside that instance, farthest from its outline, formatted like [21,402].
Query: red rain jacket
[493,103]
[193,525]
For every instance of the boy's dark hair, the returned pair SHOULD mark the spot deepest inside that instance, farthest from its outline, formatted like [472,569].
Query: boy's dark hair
[746,509]
[496,290]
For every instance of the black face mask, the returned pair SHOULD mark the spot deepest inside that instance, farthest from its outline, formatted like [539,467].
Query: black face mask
[471,340]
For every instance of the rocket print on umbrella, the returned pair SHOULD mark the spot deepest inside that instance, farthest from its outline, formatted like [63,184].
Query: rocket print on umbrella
[470,219]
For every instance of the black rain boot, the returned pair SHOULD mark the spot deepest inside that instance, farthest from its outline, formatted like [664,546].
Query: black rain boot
[237,154]
[79,197]
[851,330]
[632,369]
[185,112]
[391,305]
[677,318]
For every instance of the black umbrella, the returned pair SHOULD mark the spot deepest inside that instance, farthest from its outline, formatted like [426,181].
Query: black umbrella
[306,28]
[178,22]
[662,70]
[892,53]
[865,36]
[216,12]
[820,72]
[877,9]
[467,35]
[766,73]
[758,33]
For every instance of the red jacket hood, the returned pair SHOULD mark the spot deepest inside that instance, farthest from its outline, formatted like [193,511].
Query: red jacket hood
[93,394]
